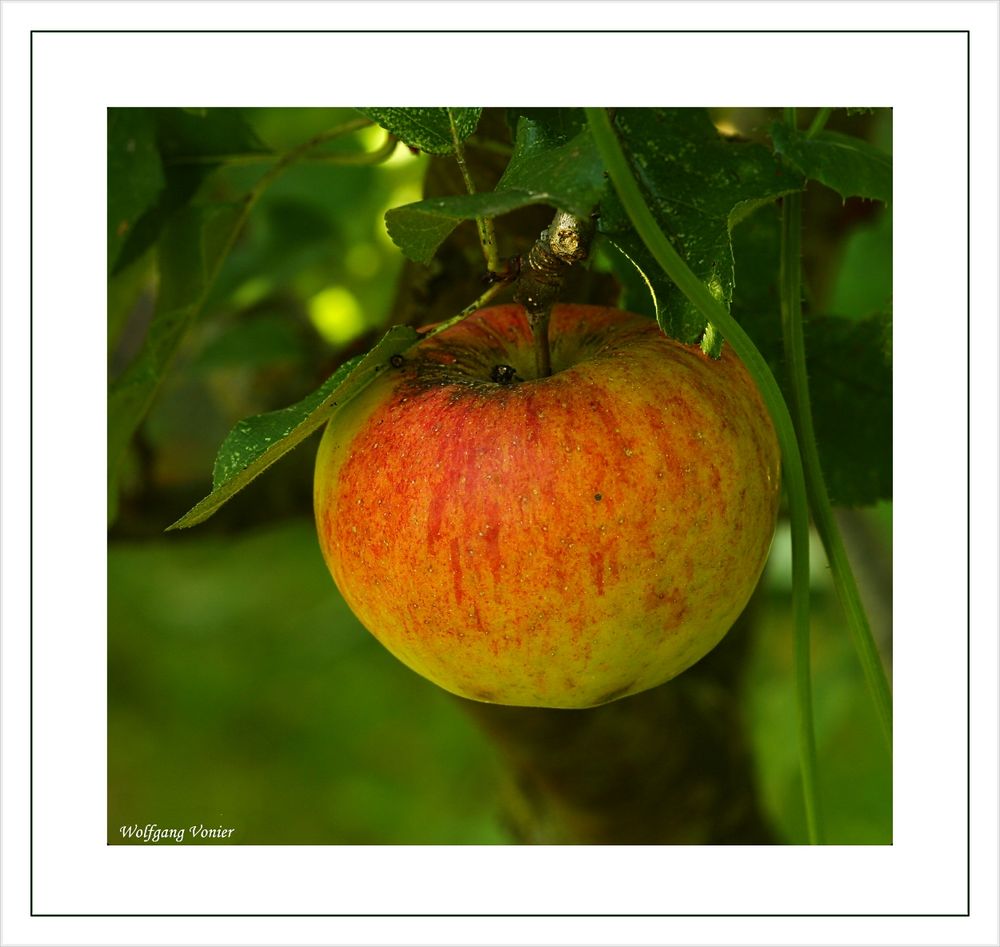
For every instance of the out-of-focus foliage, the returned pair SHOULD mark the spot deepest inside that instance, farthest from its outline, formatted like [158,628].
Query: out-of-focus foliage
[310,280]
[848,353]
[245,694]
[134,164]
[241,690]
[856,774]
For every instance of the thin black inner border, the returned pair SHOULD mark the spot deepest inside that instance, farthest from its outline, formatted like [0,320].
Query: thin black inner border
[968,404]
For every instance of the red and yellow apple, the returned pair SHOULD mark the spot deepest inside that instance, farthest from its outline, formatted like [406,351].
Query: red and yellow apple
[552,542]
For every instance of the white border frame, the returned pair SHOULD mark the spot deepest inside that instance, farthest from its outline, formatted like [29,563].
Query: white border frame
[78,75]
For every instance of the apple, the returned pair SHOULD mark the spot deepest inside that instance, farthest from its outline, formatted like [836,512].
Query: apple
[551,542]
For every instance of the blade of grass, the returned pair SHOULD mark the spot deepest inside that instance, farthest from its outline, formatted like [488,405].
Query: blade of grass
[819,501]
[714,312]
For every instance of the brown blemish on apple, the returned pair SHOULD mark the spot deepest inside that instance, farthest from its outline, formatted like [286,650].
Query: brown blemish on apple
[653,599]
[673,605]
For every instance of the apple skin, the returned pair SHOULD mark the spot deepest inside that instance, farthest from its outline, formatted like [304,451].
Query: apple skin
[555,542]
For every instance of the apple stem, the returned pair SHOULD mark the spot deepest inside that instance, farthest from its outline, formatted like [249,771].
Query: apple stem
[539,322]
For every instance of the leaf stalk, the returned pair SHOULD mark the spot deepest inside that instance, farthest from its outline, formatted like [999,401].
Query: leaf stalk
[487,235]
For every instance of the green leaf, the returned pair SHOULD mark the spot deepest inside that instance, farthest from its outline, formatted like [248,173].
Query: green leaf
[135,173]
[850,386]
[863,283]
[644,283]
[428,129]
[193,246]
[756,302]
[849,363]
[634,294]
[568,176]
[418,229]
[256,443]
[540,130]
[848,165]
[699,186]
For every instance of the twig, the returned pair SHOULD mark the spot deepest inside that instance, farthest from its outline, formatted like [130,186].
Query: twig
[564,242]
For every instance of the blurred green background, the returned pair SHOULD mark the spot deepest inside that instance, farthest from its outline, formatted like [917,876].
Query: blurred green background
[241,690]
[244,693]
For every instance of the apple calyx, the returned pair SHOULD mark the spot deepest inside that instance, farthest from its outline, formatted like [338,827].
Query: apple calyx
[504,374]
